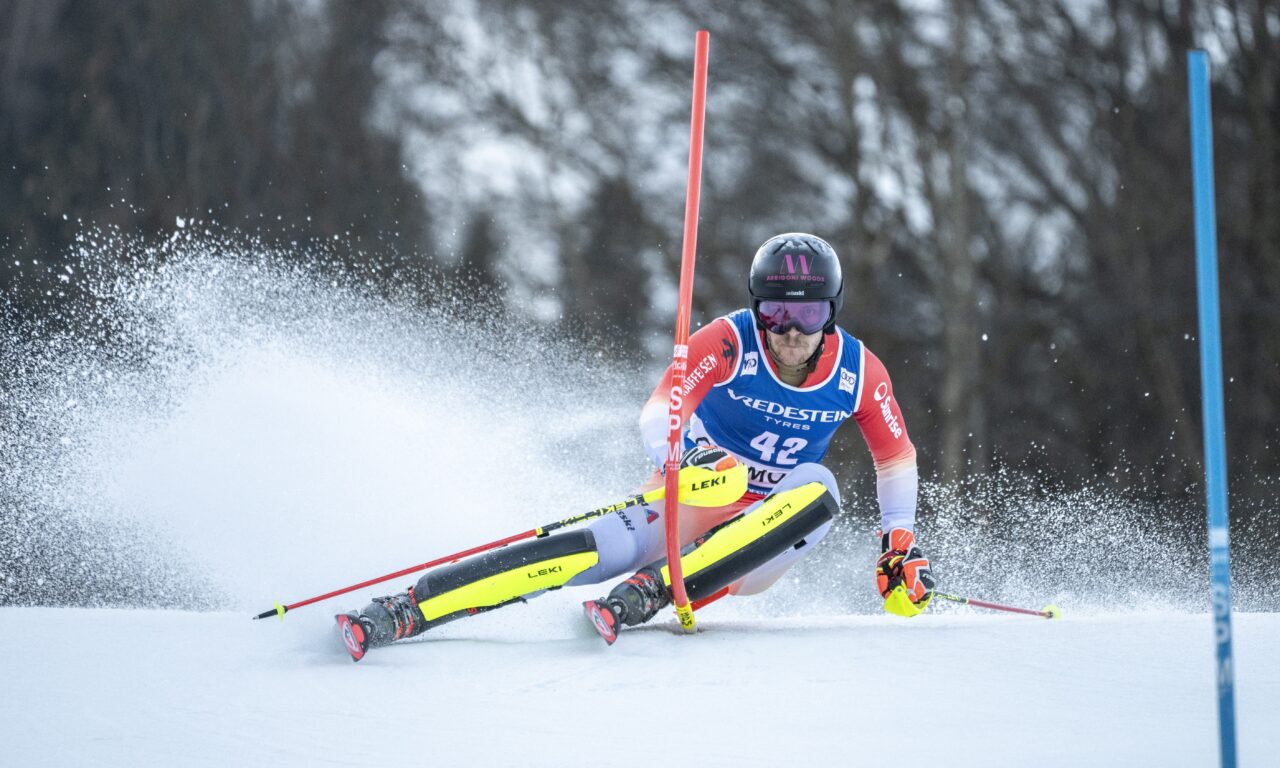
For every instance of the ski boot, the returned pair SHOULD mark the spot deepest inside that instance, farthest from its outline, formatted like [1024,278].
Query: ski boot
[632,602]
[382,622]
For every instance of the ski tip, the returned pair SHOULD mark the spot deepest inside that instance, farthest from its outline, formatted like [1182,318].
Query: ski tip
[1051,612]
[602,619]
[352,636]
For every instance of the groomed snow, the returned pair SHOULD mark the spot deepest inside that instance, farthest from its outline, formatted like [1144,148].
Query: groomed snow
[128,687]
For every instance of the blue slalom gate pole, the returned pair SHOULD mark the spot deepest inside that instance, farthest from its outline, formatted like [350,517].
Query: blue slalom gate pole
[1215,452]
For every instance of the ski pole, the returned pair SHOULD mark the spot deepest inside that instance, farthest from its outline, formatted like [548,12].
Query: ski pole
[1048,612]
[699,487]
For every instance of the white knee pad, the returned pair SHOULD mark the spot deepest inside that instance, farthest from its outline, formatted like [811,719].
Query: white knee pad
[809,473]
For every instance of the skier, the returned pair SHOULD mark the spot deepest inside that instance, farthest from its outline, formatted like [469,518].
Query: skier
[766,386]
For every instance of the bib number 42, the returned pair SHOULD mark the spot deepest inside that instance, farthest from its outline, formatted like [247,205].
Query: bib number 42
[767,444]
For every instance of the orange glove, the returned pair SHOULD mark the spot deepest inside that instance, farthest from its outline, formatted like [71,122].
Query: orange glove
[902,574]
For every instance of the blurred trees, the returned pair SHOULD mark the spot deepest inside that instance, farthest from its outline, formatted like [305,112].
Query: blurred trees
[1008,183]
[138,112]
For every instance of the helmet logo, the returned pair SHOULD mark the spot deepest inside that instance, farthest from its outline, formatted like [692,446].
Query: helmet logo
[791,267]
[787,272]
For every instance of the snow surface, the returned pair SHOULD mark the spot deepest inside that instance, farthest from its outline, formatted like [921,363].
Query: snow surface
[127,687]
[248,432]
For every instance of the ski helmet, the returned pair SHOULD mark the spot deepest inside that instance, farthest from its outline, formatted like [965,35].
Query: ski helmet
[797,267]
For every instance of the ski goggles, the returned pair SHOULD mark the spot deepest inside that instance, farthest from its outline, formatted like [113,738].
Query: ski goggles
[805,316]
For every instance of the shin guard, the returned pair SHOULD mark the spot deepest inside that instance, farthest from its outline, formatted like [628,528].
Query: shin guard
[729,552]
[504,576]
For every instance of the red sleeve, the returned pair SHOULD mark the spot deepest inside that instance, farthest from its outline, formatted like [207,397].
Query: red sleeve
[713,357]
[879,417]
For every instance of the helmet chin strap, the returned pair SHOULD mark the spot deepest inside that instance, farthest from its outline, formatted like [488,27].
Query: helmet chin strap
[812,362]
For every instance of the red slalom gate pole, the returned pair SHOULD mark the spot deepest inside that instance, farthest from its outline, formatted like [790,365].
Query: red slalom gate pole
[680,356]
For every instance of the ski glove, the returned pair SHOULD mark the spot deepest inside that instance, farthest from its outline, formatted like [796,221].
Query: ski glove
[902,574]
[708,456]
[703,455]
